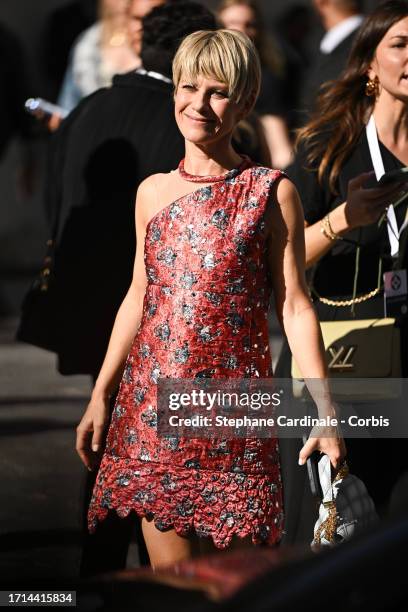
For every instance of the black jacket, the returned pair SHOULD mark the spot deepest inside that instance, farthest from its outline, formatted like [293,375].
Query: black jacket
[324,67]
[112,141]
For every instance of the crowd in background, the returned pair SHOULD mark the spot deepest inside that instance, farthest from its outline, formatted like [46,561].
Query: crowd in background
[85,42]
[116,86]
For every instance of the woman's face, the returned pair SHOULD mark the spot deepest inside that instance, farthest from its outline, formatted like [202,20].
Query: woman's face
[203,110]
[113,8]
[390,64]
[137,10]
[241,18]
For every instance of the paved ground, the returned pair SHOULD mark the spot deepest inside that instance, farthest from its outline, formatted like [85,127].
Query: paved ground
[40,474]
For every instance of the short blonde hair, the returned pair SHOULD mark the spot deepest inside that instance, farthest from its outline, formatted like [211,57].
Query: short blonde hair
[225,55]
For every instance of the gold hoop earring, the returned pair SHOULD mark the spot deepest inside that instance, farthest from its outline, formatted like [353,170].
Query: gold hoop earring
[372,87]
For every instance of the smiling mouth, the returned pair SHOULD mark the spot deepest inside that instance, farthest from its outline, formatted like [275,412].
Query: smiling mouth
[199,119]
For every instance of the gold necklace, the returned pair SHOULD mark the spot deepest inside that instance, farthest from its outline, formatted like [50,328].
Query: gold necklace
[117,39]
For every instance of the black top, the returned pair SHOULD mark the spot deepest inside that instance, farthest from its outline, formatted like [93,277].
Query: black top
[113,140]
[324,67]
[271,99]
[334,273]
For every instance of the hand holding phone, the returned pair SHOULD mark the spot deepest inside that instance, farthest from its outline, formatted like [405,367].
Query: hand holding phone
[42,109]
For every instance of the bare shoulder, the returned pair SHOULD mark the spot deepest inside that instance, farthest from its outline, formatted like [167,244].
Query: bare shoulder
[286,198]
[146,197]
[286,191]
[286,212]
[148,186]
[154,184]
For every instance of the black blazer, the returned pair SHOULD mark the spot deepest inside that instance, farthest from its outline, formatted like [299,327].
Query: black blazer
[112,141]
[325,67]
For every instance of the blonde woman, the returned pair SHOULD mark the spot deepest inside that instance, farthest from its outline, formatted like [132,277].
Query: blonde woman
[210,236]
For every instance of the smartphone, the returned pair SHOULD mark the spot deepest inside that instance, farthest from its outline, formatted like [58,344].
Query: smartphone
[312,464]
[47,109]
[400,175]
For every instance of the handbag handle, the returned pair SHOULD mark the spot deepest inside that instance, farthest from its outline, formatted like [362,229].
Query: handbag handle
[329,525]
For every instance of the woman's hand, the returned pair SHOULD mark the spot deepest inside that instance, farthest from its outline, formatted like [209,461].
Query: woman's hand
[328,441]
[366,205]
[91,430]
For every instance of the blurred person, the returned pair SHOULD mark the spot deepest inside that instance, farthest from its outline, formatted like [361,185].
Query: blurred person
[101,153]
[213,237]
[292,29]
[102,51]
[333,171]
[341,20]
[14,121]
[62,28]
[244,16]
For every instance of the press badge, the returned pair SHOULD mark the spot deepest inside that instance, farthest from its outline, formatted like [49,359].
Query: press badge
[395,293]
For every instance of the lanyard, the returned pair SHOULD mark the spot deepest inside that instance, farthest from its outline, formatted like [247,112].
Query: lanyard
[392,226]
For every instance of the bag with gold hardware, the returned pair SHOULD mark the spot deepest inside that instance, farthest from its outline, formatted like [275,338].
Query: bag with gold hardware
[38,324]
[359,349]
[345,508]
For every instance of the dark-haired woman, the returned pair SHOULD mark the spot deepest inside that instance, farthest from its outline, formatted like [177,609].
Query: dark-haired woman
[360,131]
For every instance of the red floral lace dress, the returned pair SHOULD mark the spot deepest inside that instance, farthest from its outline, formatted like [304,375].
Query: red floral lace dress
[204,315]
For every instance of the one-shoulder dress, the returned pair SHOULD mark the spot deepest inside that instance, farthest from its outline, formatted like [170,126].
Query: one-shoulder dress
[204,315]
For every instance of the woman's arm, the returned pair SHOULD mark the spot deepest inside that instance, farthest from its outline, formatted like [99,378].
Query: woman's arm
[295,310]
[362,207]
[91,429]
[277,139]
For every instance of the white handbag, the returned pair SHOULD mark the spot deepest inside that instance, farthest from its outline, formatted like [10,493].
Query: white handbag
[346,506]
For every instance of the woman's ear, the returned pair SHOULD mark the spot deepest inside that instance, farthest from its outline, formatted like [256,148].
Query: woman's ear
[370,74]
[372,70]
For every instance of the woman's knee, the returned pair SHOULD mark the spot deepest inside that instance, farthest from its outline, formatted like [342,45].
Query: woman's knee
[167,547]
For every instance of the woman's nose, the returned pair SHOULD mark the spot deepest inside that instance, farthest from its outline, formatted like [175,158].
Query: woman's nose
[199,101]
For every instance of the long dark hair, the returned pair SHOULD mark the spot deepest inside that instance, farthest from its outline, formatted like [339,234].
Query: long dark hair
[343,107]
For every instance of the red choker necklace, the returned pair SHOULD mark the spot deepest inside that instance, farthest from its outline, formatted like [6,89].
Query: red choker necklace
[196,178]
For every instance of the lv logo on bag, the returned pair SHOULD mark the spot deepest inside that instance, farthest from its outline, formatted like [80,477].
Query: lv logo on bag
[341,358]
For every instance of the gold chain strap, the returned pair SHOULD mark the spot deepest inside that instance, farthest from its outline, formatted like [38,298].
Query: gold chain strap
[329,525]
[354,300]
[351,302]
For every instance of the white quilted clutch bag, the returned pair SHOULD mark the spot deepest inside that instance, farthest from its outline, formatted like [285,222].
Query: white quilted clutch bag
[346,506]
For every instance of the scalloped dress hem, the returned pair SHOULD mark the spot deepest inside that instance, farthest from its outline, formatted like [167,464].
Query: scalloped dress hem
[217,505]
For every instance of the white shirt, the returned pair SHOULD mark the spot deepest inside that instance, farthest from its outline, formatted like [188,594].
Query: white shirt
[339,32]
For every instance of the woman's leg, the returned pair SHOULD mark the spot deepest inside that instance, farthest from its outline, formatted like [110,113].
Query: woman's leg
[207,546]
[166,547]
